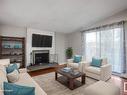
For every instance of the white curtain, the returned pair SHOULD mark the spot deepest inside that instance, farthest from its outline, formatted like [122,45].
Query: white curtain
[106,42]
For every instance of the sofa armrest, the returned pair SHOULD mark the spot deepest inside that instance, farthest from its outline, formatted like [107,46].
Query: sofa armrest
[69,60]
[5,62]
[82,66]
[23,70]
[106,72]
[106,67]
[87,64]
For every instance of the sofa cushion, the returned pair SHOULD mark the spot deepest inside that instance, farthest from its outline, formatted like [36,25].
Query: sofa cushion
[77,58]
[94,70]
[26,80]
[18,89]
[3,69]
[3,78]
[96,62]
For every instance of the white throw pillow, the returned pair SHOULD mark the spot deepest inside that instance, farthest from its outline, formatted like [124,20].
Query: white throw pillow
[13,76]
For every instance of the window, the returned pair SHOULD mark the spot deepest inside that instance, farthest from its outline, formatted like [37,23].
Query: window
[106,43]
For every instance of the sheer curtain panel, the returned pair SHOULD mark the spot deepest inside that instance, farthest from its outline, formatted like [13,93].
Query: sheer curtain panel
[106,42]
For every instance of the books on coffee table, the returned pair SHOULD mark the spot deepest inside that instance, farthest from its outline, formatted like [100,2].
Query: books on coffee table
[74,72]
[66,69]
[70,70]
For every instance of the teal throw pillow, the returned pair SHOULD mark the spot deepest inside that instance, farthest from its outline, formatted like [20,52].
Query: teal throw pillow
[11,68]
[77,58]
[13,89]
[96,62]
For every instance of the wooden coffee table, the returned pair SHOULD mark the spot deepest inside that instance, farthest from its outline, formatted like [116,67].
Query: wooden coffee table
[70,80]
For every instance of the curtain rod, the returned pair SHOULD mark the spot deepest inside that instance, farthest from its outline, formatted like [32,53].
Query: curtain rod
[104,26]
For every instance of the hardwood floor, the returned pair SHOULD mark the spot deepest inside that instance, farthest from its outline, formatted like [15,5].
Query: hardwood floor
[117,80]
[44,71]
[40,72]
[120,83]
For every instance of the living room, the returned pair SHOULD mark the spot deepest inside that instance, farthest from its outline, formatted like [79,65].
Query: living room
[63,47]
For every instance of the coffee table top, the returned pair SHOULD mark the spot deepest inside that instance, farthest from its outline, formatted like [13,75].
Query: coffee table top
[68,74]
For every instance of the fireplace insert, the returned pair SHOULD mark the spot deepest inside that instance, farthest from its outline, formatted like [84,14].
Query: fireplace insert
[40,57]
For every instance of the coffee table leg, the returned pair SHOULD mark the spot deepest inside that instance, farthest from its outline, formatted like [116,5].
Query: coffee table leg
[55,75]
[71,84]
[83,79]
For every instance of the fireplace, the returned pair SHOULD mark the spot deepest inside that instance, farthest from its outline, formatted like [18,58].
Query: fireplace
[40,57]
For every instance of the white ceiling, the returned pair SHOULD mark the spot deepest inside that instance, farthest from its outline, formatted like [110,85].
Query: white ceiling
[57,15]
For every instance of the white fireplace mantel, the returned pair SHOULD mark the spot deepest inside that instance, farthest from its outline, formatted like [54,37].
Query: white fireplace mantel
[29,47]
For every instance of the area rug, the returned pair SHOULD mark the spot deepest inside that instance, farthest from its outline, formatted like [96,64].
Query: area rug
[52,87]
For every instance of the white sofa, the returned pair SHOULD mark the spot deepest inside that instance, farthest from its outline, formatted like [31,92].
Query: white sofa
[102,73]
[102,88]
[24,78]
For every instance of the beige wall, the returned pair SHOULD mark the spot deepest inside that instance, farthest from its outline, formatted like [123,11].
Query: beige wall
[61,45]
[12,31]
[74,41]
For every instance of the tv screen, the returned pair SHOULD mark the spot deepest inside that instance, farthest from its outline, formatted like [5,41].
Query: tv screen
[41,40]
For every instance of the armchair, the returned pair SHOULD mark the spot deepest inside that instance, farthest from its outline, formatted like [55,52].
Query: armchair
[102,73]
[79,66]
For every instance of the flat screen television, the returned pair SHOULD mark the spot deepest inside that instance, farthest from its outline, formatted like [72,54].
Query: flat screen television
[41,40]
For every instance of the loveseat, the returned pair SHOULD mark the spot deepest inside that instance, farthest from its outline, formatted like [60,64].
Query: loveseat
[24,78]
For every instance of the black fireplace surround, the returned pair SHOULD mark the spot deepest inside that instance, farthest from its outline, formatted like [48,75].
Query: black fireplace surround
[40,57]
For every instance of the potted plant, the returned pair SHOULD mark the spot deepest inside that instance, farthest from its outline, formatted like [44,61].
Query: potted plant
[69,52]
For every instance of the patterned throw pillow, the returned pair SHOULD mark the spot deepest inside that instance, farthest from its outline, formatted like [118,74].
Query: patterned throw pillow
[13,76]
